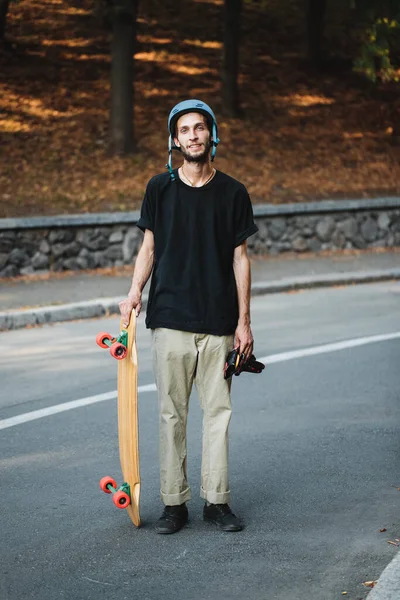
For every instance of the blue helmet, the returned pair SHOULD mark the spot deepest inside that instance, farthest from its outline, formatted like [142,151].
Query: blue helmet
[182,108]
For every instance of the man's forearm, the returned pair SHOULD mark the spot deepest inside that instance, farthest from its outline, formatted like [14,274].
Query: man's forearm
[143,268]
[242,272]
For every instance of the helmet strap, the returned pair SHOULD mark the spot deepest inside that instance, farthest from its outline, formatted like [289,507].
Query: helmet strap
[169,164]
[215,142]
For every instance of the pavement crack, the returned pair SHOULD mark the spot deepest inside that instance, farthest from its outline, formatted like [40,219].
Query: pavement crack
[96,581]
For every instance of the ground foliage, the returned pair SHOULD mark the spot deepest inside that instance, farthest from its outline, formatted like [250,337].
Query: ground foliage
[305,135]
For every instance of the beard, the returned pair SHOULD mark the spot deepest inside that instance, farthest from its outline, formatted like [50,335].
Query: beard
[199,158]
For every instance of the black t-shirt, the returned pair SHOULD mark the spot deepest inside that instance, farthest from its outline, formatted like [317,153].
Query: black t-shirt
[196,230]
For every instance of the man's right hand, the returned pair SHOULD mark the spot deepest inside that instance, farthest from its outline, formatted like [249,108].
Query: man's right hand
[126,307]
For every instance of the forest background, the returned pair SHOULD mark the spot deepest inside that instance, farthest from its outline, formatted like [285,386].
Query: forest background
[306,94]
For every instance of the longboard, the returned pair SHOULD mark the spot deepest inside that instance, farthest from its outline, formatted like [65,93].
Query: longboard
[123,348]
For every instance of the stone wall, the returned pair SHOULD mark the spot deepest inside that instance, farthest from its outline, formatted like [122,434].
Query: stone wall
[37,245]
[313,233]
[30,252]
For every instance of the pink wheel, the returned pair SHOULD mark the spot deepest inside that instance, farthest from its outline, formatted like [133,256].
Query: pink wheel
[100,337]
[104,482]
[118,351]
[121,499]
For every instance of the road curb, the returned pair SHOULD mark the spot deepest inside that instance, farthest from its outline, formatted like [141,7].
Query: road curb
[288,284]
[102,307]
[388,586]
[62,312]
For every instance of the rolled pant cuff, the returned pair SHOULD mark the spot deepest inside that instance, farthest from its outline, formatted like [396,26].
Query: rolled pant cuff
[176,499]
[216,497]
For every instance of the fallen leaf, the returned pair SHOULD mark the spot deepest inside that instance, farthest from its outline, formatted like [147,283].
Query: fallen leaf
[370,584]
[383,529]
[344,593]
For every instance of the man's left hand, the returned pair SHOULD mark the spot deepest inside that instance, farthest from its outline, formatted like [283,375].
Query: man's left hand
[244,340]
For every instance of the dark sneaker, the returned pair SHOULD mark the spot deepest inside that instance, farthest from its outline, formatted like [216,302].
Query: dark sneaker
[172,519]
[221,515]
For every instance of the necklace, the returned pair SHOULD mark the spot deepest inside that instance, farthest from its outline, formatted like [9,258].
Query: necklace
[203,184]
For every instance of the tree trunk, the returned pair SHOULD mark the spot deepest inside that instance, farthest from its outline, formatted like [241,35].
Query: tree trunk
[315,30]
[230,61]
[3,18]
[122,84]
[396,124]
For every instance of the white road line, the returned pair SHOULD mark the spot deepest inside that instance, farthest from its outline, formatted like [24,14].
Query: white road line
[59,408]
[283,356]
[270,359]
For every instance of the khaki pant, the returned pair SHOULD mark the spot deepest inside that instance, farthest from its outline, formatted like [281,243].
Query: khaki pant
[181,359]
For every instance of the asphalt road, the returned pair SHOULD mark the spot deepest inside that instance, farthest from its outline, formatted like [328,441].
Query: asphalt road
[314,463]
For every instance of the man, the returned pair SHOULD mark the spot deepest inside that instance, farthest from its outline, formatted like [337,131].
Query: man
[196,221]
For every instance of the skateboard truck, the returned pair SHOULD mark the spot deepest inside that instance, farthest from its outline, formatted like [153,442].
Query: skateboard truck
[235,364]
[118,346]
[121,495]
